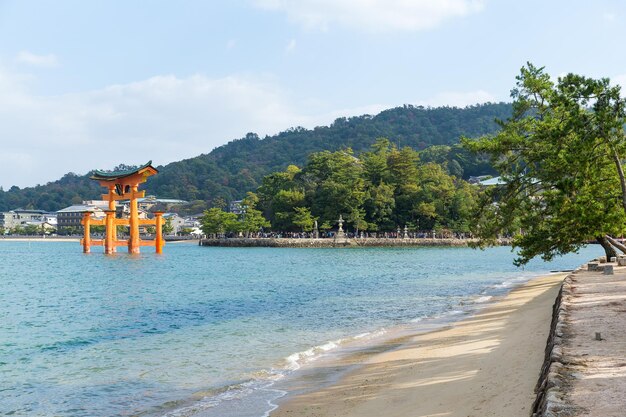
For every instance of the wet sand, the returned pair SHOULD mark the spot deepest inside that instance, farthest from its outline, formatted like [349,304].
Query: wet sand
[485,365]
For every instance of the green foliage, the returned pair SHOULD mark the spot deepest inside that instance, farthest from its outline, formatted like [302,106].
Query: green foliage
[97,229]
[185,231]
[69,230]
[433,198]
[194,207]
[168,228]
[326,226]
[334,184]
[18,230]
[560,155]
[303,219]
[380,205]
[229,171]
[220,203]
[27,230]
[215,222]
[385,188]
[253,221]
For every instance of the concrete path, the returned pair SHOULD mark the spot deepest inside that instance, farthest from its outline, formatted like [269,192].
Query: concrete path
[588,375]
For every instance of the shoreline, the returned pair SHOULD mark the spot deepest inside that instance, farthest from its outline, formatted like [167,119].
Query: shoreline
[273,242]
[39,239]
[457,365]
[74,239]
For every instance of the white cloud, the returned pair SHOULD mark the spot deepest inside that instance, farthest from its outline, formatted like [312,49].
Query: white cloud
[609,17]
[621,81]
[29,58]
[458,99]
[164,118]
[372,15]
[291,46]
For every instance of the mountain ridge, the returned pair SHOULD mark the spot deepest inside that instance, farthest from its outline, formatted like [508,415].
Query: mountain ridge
[230,170]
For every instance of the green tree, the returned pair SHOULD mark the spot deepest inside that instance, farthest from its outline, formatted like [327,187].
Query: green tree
[18,230]
[252,220]
[326,226]
[375,164]
[462,207]
[303,219]
[168,228]
[278,195]
[32,229]
[98,229]
[334,184]
[380,205]
[357,218]
[215,221]
[185,231]
[433,198]
[560,157]
[283,206]
[69,230]
[404,178]
[220,202]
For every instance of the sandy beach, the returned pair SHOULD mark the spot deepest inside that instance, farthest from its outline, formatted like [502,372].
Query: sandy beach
[485,365]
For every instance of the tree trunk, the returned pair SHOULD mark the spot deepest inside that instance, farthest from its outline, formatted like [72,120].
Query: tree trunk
[617,244]
[609,250]
[620,172]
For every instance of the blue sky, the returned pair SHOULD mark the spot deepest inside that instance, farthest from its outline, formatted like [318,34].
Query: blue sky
[166,80]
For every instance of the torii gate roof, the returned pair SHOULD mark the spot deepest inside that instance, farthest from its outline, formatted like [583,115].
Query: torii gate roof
[146,170]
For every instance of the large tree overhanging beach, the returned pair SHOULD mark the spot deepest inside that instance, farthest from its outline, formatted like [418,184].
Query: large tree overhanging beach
[560,158]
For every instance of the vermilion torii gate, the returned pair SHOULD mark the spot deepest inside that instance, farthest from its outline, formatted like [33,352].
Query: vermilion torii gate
[123,185]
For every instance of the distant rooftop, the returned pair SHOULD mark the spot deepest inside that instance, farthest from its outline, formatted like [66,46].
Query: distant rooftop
[21,210]
[500,181]
[78,208]
[492,181]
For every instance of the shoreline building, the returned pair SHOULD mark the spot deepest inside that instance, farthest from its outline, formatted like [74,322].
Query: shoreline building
[23,217]
[71,217]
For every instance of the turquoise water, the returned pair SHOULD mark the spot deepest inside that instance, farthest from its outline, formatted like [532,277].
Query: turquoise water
[207,330]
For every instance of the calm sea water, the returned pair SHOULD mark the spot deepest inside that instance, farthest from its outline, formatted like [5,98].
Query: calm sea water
[206,331]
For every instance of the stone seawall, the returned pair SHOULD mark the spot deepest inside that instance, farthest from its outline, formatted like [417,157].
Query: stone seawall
[584,373]
[549,387]
[331,243]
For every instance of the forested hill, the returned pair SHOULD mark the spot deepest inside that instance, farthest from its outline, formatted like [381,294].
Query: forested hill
[237,167]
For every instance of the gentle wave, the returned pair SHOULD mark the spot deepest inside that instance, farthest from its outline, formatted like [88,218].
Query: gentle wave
[235,392]
[149,335]
[264,380]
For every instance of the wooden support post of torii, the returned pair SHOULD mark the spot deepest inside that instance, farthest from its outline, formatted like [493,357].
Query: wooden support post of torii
[123,185]
[158,240]
[87,232]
